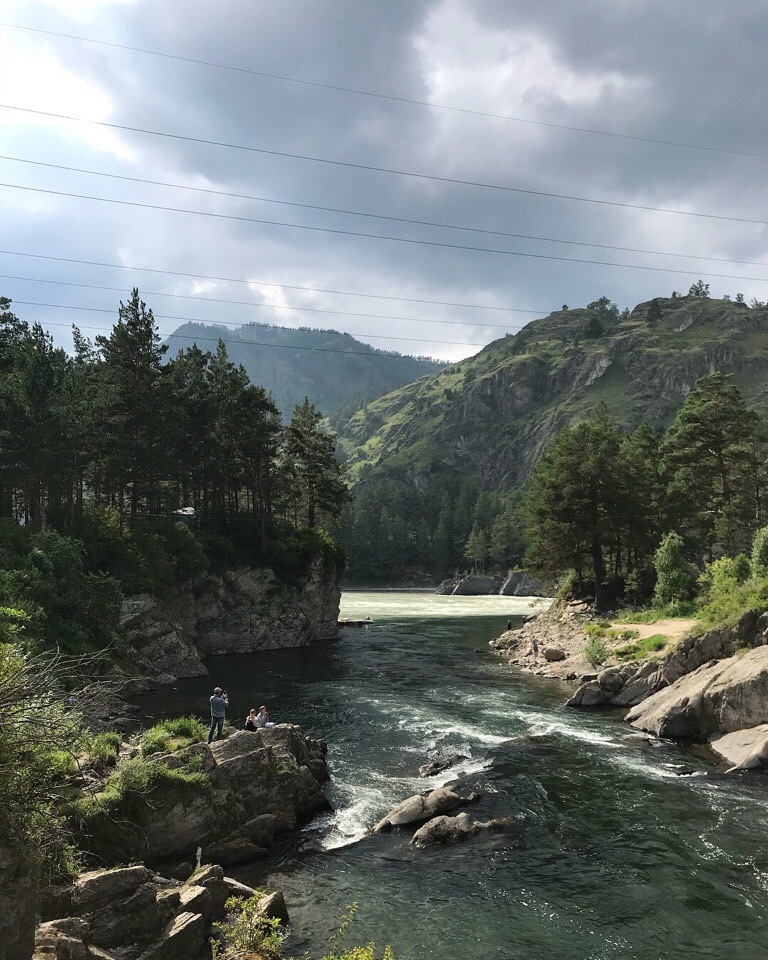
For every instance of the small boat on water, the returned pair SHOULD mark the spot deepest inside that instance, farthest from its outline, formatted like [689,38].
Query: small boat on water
[355,623]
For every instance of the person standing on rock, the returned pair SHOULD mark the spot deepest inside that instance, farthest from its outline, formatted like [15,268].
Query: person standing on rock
[219,704]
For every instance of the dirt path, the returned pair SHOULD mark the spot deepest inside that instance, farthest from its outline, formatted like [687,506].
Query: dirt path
[674,630]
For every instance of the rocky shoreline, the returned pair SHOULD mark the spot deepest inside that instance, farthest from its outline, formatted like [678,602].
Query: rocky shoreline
[711,687]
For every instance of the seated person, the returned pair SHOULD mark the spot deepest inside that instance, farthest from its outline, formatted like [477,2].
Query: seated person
[262,718]
[251,721]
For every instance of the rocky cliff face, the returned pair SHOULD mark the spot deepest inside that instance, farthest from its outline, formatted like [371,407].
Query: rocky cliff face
[242,611]
[493,415]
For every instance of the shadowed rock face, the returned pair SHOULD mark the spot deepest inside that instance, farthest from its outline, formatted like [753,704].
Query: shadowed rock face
[242,611]
[18,901]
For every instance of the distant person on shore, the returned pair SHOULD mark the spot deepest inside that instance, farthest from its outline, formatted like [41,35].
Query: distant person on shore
[509,624]
[251,720]
[262,718]
[219,704]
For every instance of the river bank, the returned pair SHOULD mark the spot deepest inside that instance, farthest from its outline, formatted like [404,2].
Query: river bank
[621,826]
[705,686]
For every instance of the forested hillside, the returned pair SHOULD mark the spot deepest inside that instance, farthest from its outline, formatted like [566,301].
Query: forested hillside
[334,370]
[438,466]
[120,473]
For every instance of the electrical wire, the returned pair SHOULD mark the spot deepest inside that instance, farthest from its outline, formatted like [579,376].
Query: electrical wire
[250,303]
[373,236]
[388,97]
[377,216]
[267,283]
[165,316]
[371,168]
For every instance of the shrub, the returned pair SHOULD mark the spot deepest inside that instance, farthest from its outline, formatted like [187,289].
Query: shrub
[642,648]
[245,930]
[104,750]
[595,650]
[675,575]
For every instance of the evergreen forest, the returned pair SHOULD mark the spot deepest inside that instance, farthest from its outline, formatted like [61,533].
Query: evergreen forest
[121,473]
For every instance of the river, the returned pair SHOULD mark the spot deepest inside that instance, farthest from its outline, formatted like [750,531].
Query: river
[625,847]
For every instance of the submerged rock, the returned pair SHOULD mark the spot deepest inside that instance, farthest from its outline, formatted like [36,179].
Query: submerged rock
[439,764]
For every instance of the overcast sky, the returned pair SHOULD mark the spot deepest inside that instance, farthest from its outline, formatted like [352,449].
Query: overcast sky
[529,138]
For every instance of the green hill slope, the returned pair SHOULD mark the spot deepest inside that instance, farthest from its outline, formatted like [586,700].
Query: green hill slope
[491,417]
[333,369]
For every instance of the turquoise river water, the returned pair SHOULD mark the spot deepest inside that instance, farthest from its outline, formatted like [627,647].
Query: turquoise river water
[626,847]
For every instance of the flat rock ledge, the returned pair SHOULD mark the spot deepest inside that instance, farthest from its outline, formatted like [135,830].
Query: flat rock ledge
[131,913]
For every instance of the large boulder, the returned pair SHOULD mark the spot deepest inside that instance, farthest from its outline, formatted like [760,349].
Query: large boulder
[743,749]
[720,697]
[134,914]
[421,807]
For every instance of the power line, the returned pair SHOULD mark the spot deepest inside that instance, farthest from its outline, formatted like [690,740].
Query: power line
[266,283]
[388,97]
[374,169]
[374,236]
[378,216]
[165,316]
[250,303]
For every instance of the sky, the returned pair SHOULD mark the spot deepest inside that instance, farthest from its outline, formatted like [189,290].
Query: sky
[426,175]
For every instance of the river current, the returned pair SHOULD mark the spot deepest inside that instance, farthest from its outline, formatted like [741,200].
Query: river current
[623,846]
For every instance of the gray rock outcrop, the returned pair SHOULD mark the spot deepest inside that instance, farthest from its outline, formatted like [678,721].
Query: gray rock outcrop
[630,684]
[132,913]
[421,807]
[722,696]
[241,611]
[278,772]
[743,749]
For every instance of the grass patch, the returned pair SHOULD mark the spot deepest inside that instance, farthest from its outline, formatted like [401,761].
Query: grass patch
[109,824]
[104,750]
[171,735]
[642,648]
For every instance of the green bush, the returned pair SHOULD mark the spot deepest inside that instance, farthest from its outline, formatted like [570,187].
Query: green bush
[104,750]
[595,650]
[245,930]
[675,575]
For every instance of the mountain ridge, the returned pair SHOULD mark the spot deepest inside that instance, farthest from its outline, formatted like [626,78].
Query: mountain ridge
[334,370]
[492,416]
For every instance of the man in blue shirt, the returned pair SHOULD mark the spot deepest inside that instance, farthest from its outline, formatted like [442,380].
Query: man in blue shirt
[219,704]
